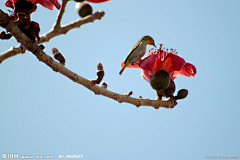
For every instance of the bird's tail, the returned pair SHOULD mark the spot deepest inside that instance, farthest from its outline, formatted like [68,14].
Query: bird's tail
[122,70]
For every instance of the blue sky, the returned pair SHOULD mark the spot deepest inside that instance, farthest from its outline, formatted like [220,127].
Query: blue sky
[45,113]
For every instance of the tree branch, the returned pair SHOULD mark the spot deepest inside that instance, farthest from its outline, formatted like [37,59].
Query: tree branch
[64,29]
[54,32]
[11,52]
[60,14]
[43,57]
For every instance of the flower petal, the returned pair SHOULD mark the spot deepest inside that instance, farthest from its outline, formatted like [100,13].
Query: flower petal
[188,70]
[145,75]
[13,1]
[177,62]
[165,65]
[56,4]
[9,3]
[171,62]
[47,3]
[148,62]
[97,1]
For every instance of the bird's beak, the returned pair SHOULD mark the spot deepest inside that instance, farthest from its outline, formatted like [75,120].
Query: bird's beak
[154,45]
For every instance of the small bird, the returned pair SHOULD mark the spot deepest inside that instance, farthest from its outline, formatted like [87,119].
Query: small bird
[137,51]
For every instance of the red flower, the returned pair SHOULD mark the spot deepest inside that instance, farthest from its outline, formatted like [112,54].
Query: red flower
[170,62]
[97,1]
[46,3]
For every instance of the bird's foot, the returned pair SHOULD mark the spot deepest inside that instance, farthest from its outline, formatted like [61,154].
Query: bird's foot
[139,63]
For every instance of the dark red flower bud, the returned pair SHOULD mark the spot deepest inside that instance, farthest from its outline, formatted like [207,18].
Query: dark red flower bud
[4,35]
[58,56]
[100,74]
[8,3]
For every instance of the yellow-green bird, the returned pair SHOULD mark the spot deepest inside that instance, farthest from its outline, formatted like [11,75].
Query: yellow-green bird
[137,51]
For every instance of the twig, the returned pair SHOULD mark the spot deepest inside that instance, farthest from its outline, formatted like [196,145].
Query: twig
[52,33]
[35,49]
[64,29]
[11,52]
[60,14]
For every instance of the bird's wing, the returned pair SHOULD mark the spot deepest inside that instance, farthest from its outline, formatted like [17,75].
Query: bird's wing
[133,49]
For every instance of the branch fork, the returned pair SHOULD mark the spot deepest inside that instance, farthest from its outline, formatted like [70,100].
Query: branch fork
[58,67]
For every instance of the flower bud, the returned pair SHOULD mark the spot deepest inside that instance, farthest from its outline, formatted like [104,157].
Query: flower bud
[58,56]
[4,35]
[182,94]
[160,80]
[104,85]
[99,67]
[83,9]
[100,74]
[129,93]
[170,90]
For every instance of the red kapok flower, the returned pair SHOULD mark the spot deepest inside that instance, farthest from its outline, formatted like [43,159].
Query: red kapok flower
[46,3]
[170,62]
[9,3]
[97,1]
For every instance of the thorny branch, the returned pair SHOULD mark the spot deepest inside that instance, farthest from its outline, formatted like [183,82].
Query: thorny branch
[30,45]
[55,31]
